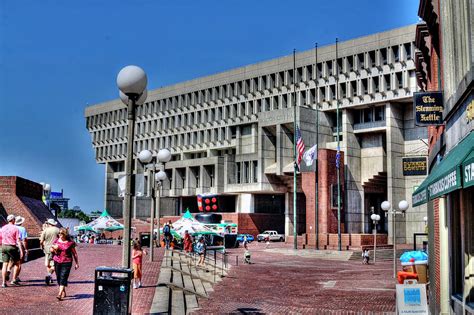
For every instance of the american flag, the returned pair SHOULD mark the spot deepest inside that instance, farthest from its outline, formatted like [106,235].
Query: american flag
[299,146]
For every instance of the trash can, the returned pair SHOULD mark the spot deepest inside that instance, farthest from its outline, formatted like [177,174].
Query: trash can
[145,239]
[112,290]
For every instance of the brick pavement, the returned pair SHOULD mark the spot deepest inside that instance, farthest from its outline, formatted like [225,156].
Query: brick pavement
[301,284]
[34,297]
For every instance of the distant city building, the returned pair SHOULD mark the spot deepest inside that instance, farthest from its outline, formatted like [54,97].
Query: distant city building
[231,134]
[57,198]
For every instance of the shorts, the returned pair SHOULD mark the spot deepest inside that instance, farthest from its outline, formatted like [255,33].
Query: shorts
[137,271]
[48,260]
[10,253]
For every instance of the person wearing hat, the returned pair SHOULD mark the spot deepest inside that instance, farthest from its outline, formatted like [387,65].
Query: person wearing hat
[19,220]
[12,251]
[47,238]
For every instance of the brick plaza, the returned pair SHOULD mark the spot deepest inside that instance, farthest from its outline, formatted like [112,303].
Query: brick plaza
[278,282]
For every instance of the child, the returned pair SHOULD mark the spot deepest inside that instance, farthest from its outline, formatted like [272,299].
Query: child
[365,257]
[137,257]
[247,257]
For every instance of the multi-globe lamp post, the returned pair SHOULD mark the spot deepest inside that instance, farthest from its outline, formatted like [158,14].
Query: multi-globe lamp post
[402,207]
[375,219]
[155,179]
[132,82]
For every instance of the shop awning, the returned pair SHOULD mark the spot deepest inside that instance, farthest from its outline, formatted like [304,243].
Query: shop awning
[468,170]
[447,176]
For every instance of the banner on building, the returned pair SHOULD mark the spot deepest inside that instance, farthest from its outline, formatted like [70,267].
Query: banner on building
[414,166]
[428,107]
[138,179]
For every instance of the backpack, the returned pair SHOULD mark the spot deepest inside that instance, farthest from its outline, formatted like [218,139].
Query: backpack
[166,229]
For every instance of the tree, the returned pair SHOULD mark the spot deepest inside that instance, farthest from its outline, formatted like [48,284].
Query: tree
[74,214]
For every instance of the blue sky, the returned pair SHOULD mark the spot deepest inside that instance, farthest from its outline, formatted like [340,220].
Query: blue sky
[57,57]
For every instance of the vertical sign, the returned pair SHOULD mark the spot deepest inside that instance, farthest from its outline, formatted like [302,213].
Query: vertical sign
[428,108]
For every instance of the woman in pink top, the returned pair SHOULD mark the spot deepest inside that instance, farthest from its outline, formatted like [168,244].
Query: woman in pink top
[137,257]
[64,251]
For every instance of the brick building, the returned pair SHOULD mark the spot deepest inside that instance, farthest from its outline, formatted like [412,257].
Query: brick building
[23,197]
[445,62]
[232,134]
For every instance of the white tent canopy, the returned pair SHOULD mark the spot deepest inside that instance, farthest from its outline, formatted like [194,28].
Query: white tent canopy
[188,223]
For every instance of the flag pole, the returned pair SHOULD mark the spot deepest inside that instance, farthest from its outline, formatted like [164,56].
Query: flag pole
[338,155]
[316,174]
[295,241]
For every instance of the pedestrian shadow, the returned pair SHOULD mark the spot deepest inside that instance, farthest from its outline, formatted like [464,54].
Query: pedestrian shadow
[80,296]
[247,310]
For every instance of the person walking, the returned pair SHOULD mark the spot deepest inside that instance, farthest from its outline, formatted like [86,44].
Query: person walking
[201,250]
[19,220]
[365,257]
[64,253]
[137,259]
[188,242]
[167,234]
[47,238]
[11,249]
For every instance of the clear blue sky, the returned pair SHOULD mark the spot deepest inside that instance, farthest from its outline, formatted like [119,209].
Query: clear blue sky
[57,57]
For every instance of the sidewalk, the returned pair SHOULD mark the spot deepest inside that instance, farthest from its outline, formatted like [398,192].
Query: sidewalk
[282,282]
[33,296]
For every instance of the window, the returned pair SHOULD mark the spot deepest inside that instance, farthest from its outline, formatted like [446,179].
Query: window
[368,115]
[379,113]
[246,130]
[396,53]
[254,171]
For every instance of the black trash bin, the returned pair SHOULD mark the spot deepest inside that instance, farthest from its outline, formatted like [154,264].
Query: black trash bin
[112,290]
[145,239]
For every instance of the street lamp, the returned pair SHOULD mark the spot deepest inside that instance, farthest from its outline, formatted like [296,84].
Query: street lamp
[402,207]
[132,82]
[375,219]
[46,195]
[155,178]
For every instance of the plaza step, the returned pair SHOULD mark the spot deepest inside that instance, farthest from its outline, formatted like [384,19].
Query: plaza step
[178,305]
[181,282]
[382,254]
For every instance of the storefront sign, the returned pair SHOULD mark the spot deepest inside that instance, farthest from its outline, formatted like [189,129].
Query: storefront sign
[468,174]
[411,299]
[445,184]
[420,198]
[414,166]
[428,108]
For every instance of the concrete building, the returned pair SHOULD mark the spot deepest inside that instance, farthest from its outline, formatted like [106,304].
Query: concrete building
[232,134]
[446,63]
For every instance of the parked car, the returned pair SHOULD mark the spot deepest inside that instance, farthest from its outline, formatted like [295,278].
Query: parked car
[272,235]
[240,238]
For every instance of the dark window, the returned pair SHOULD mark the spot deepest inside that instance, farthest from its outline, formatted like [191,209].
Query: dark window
[246,130]
[379,113]
[368,115]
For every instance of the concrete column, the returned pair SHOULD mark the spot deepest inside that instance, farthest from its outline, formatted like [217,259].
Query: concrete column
[353,209]
[395,179]
[288,214]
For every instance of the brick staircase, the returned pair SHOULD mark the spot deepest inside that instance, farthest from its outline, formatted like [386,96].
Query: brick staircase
[181,282]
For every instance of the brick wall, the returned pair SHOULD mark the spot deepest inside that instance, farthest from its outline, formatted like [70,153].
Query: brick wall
[327,176]
[22,197]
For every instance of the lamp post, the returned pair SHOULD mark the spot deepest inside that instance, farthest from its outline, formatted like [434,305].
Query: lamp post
[402,207]
[46,195]
[375,219]
[132,82]
[155,179]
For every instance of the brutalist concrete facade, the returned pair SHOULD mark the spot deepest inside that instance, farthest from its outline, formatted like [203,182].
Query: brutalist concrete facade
[232,133]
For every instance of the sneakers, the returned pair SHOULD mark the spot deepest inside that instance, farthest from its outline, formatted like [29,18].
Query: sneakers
[4,285]
[135,286]
[15,282]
